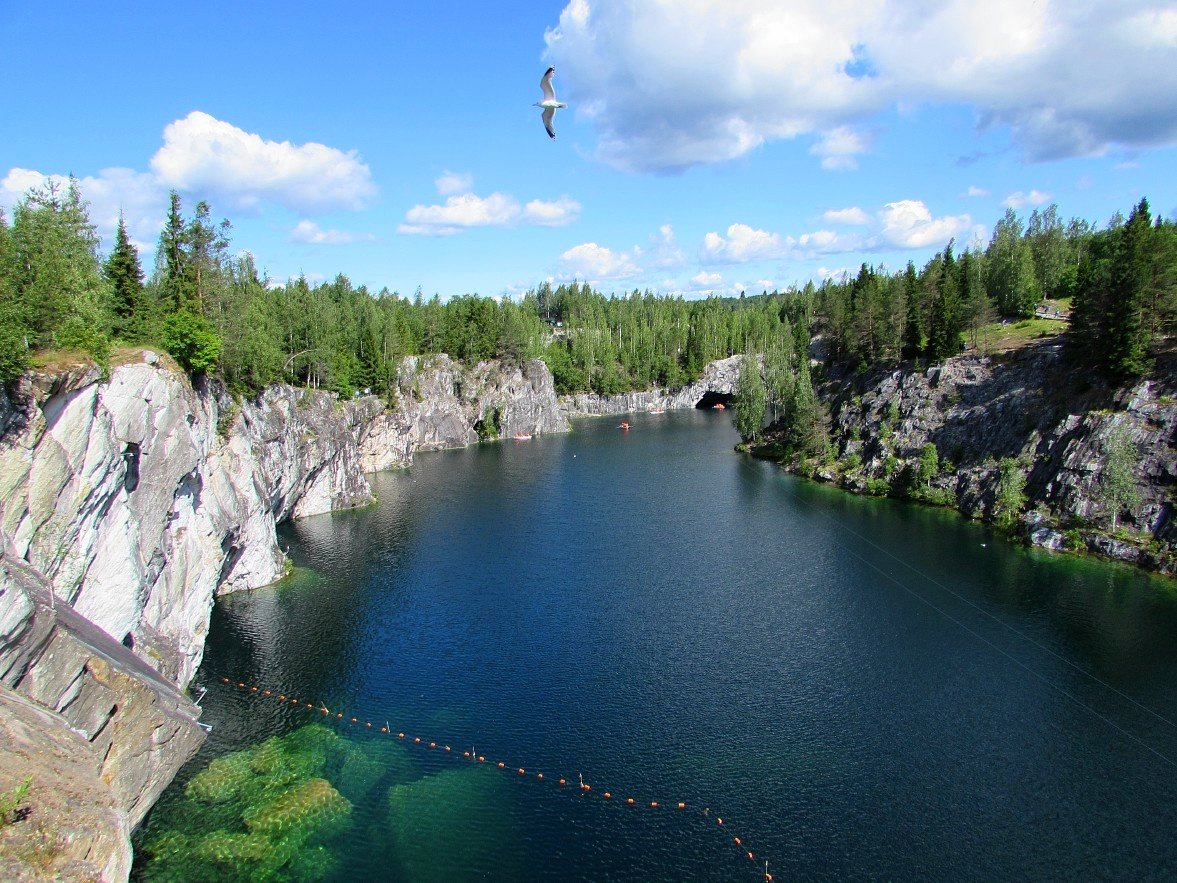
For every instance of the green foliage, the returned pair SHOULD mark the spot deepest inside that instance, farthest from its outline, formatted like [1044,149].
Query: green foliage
[490,425]
[129,306]
[192,342]
[852,462]
[929,465]
[1011,493]
[878,487]
[1117,487]
[750,399]
[10,802]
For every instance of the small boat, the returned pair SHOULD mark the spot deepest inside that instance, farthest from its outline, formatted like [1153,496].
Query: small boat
[522,436]
[623,425]
[657,410]
[719,406]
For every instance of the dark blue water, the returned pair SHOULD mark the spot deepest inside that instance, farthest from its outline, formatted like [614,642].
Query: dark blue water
[862,689]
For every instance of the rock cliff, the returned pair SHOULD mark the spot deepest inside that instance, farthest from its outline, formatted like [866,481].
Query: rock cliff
[1055,427]
[127,503]
[718,378]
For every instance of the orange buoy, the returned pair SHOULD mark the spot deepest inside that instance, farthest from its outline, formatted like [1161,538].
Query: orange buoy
[308,705]
[522,771]
[282,697]
[464,753]
[384,729]
[682,805]
[339,714]
[481,759]
[447,748]
[226,680]
[417,739]
[737,841]
[502,766]
[294,702]
[653,804]
[253,689]
[539,775]
[751,857]
[432,744]
[354,721]
[368,725]
[402,735]
[629,800]
[587,787]
[265,692]
[608,795]
[563,781]
[239,684]
[718,820]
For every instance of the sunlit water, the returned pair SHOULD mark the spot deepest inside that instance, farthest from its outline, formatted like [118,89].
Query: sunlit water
[862,689]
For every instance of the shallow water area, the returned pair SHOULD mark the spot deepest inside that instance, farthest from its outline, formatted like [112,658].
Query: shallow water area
[860,688]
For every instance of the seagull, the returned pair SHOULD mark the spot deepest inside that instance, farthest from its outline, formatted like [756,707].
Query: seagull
[549,104]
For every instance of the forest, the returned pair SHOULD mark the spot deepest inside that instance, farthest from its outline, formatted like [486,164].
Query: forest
[214,313]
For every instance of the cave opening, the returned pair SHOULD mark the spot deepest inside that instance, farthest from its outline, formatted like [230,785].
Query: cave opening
[715,399]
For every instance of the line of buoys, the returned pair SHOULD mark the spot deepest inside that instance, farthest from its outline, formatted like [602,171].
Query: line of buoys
[584,787]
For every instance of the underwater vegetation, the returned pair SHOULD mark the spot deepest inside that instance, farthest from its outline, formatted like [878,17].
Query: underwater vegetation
[311,805]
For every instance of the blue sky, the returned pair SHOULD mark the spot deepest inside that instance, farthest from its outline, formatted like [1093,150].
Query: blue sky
[709,146]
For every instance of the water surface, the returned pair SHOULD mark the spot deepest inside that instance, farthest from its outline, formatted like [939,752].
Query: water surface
[863,689]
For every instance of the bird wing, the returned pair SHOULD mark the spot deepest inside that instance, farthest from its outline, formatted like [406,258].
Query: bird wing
[548,116]
[546,85]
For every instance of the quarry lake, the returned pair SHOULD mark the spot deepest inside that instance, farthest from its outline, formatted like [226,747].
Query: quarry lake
[860,689]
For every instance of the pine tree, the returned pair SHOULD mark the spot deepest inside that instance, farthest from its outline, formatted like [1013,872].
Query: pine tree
[1130,326]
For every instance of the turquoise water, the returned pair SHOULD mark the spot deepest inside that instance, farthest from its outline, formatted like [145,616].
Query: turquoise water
[862,689]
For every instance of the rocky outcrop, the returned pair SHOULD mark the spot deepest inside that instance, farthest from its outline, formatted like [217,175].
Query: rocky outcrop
[128,502]
[718,378]
[141,497]
[442,405]
[1053,425]
[95,732]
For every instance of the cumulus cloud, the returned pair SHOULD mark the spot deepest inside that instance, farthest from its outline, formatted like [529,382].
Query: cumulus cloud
[904,224]
[853,216]
[308,232]
[594,263]
[203,154]
[741,244]
[707,280]
[909,223]
[1020,200]
[672,85]
[464,209]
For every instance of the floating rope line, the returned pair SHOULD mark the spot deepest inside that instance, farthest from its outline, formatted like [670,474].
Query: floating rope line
[561,783]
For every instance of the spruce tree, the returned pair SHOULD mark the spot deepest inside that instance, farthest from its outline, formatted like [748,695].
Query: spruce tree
[125,276]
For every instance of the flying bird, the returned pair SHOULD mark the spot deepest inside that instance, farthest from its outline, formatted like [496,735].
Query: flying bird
[549,104]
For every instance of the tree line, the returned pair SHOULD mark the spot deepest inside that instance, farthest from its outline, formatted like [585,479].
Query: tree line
[212,310]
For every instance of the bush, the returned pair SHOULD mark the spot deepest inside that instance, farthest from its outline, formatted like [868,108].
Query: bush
[192,342]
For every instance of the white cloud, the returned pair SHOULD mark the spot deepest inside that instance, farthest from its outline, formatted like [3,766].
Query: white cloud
[975,191]
[206,155]
[707,280]
[1020,200]
[465,209]
[461,212]
[838,148]
[851,216]
[909,223]
[664,252]
[593,263]
[449,183]
[671,85]
[559,213]
[309,232]
[741,244]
